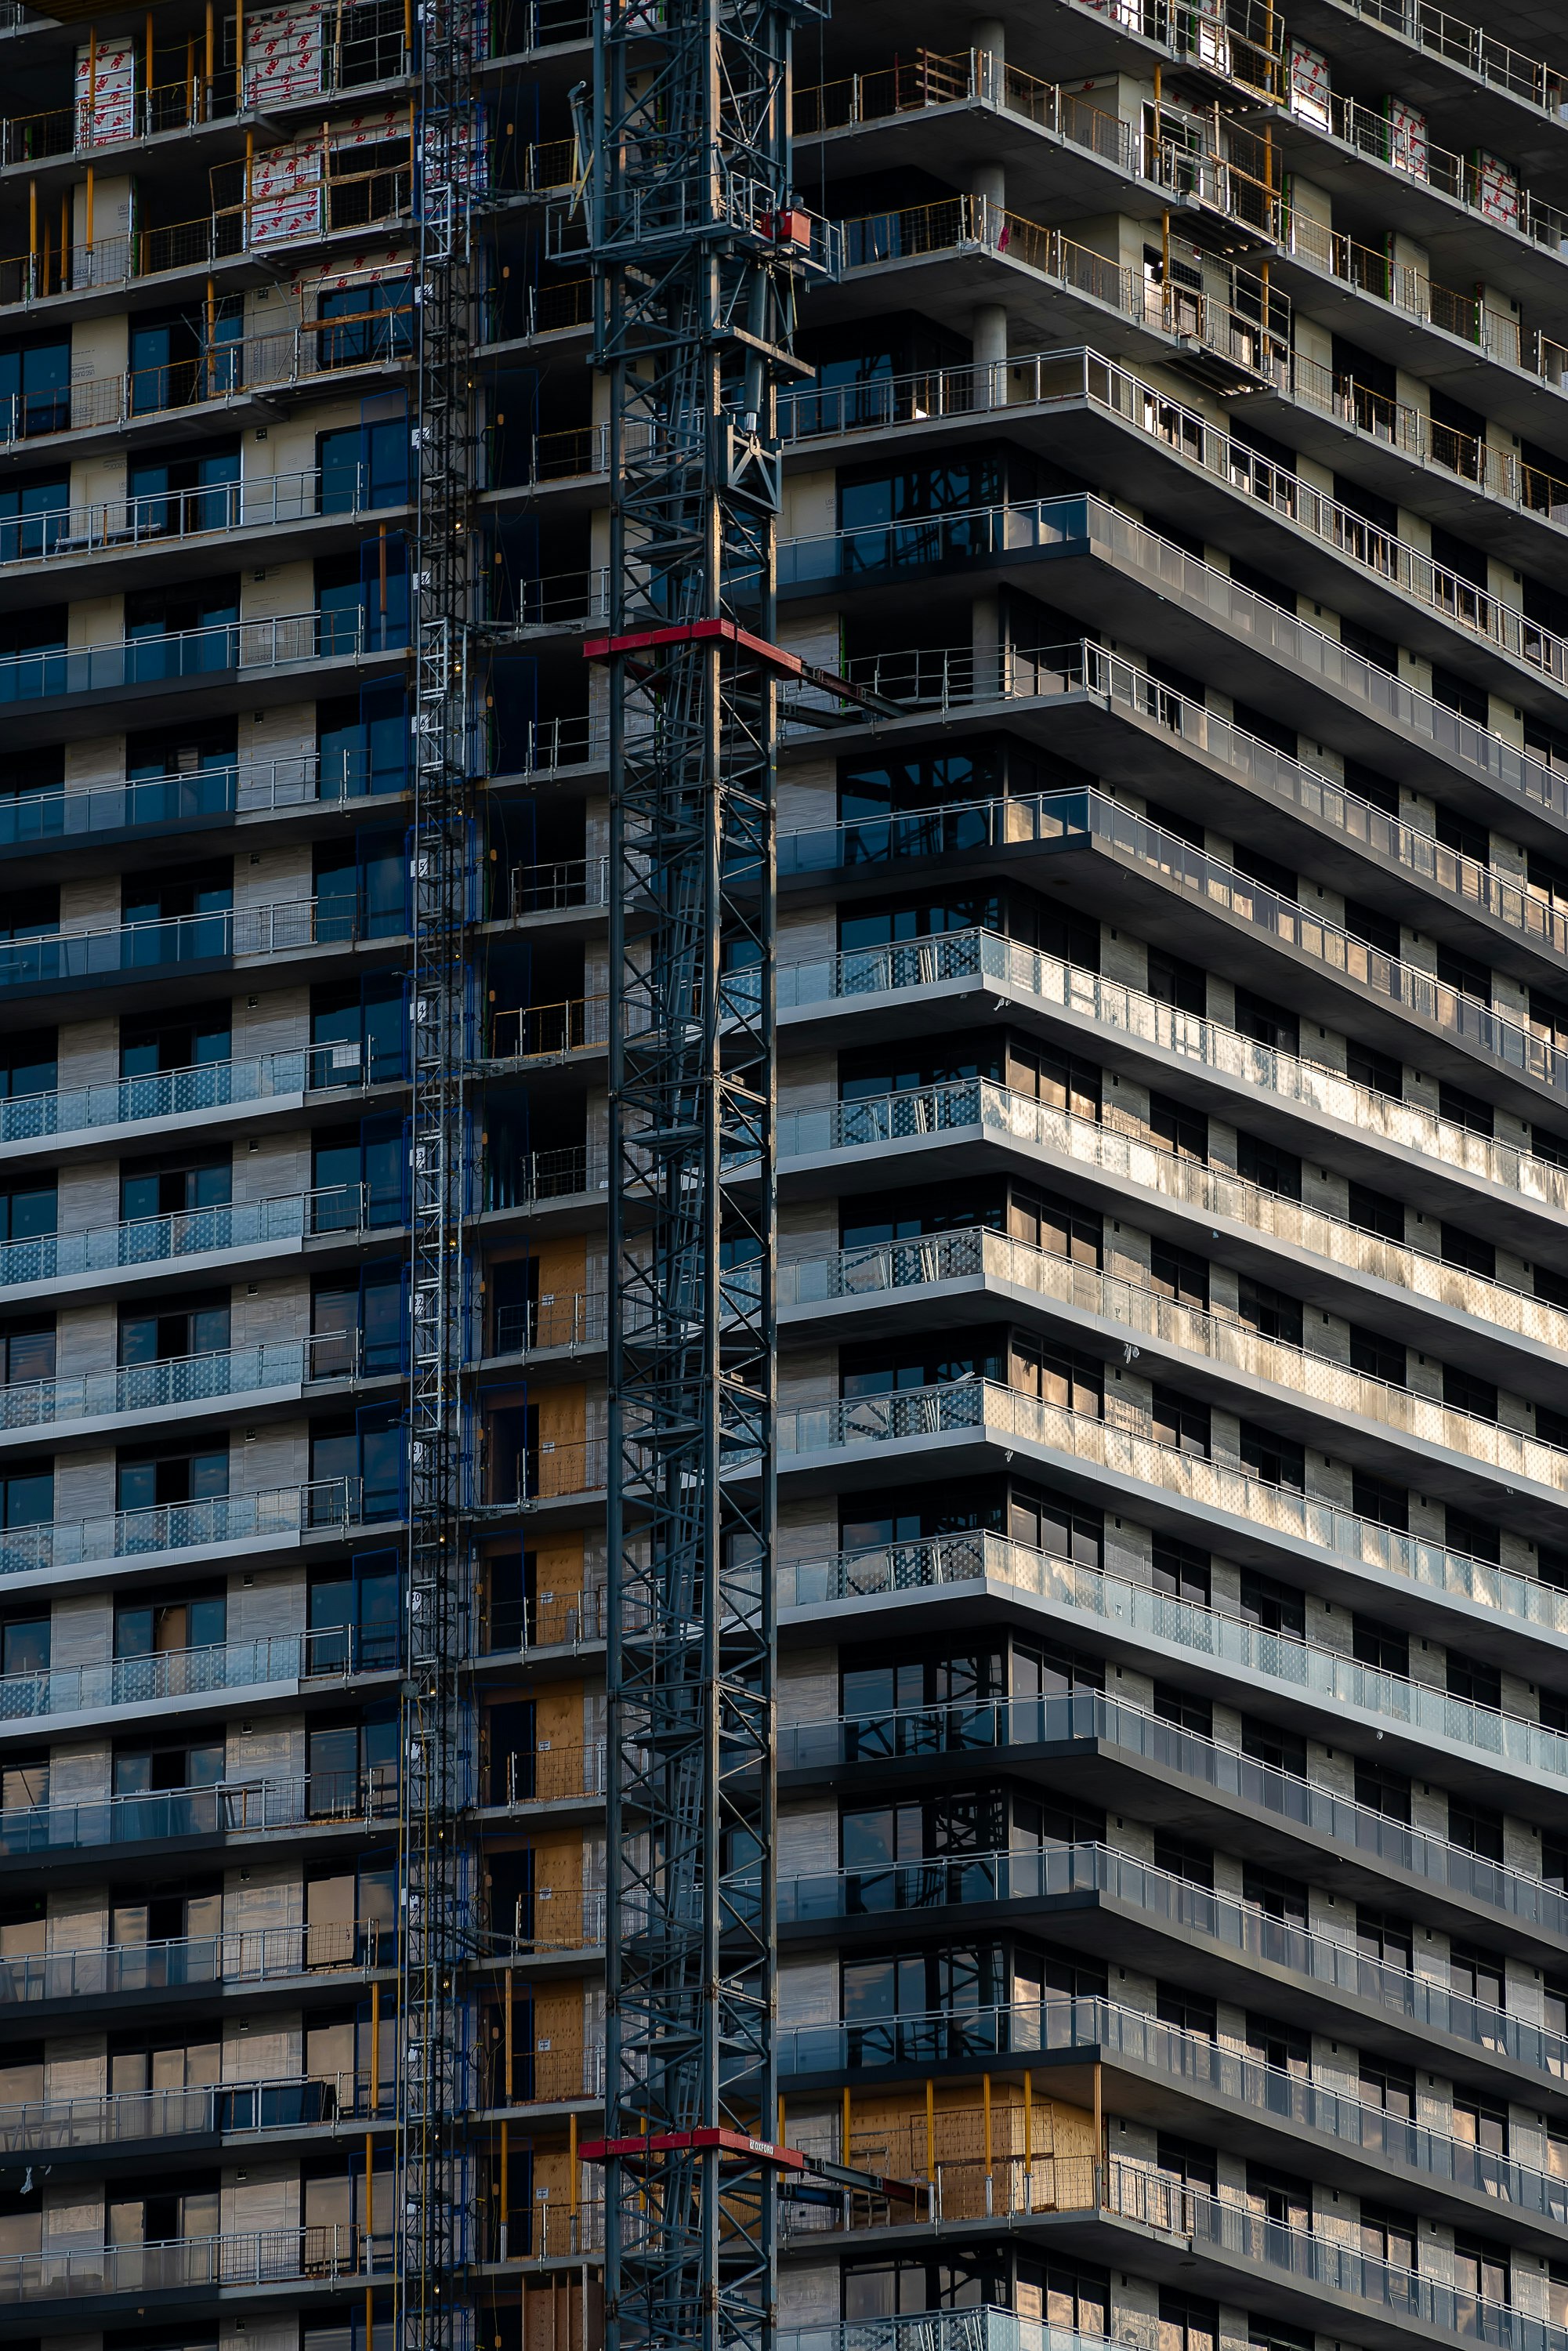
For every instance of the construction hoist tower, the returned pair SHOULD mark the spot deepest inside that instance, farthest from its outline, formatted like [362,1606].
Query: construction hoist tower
[437,1868]
[696,248]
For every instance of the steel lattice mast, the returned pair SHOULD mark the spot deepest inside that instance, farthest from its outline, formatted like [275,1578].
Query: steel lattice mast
[695,247]
[438,1870]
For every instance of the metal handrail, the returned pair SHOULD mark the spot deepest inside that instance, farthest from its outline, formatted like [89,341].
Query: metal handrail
[1471,48]
[536,1032]
[162,518]
[1134,2039]
[230,2109]
[178,1382]
[1222,1342]
[1253,328]
[254,224]
[242,1955]
[1006,964]
[298,353]
[283,928]
[548,1775]
[948,677]
[848,556]
[230,1808]
[68,810]
[573,1319]
[552,888]
[1208,1764]
[250,2257]
[986,1410]
[279,642]
[330,1504]
[319,1654]
[117,117]
[1098,821]
[184,1093]
[185,1233]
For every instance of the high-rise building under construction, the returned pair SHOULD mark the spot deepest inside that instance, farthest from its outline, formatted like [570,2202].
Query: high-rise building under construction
[784,1116]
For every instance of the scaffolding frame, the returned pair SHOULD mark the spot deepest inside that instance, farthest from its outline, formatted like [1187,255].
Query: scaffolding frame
[437,1863]
[694,251]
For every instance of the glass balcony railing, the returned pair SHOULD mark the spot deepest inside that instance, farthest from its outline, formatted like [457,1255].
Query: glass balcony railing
[921,965]
[1228,2232]
[179,1383]
[1088,525]
[282,1659]
[1205,1762]
[184,1233]
[112,1971]
[32,817]
[371,338]
[328,1505]
[1126,1456]
[246,2258]
[1317,1091]
[191,1092]
[225,648]
[1248,325]
[46,958]
[1224,1343]
[1171,1906]
[1091,818]
[238,2109]
[232,1808]
[1132,2039]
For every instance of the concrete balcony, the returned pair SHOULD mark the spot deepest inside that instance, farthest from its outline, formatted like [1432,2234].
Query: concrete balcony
[229,1380]
[935,252]
[196,1240]
[974,1272]
[1366,1849]
[212,1815]
[77,1120]
[967,1424]
[225,2113]
[239,381]
[1115,1612]
[1211,2244]
[949,2039]
[1423,606]
[370,52]
[67,821]
[275,1518]
[1503,503]
[953,974]
[275,1666]
[1345,2133]
[1332,973]
[136,540]
[197,1964]
[191,2266]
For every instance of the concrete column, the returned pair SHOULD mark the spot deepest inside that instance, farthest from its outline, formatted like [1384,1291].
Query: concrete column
[988,345]
[989,33]
[985,643]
